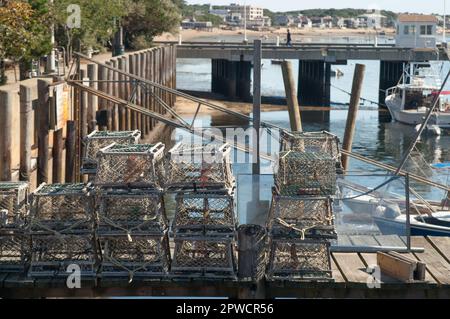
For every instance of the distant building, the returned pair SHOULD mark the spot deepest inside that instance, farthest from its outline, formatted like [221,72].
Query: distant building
[223,13]
[416,31]
[283,20]
[303,22]
[373,20]
[251,12]
[197,25]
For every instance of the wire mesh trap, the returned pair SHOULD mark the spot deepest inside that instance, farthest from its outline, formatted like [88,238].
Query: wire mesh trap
[142,256]
[203,165]
[299,260]
[127,210]
[302,173]
[97,140]
[208,213]
[302,216]
[14,250]
[13,204]
[62,208]
[134,165]
[311,142]
[52,255]
[204,257]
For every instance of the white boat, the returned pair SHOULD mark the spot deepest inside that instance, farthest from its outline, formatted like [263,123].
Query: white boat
[409,101]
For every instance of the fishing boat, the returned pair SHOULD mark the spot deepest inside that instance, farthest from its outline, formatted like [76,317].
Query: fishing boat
[409,101]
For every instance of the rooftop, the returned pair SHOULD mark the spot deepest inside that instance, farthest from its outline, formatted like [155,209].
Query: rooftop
[417,18]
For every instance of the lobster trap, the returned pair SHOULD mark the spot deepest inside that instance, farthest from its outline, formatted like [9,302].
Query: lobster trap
[128,210]
[97,140]
[143,256]
[14,250]
[62,209]
[13,204]
[298,260]
[311,142]
[310,217]
[302,173]
[133,165]
[205,214]
[204,257]
[52,255]
[200,165]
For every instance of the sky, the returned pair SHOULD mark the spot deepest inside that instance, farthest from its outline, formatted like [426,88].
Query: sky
[416,6]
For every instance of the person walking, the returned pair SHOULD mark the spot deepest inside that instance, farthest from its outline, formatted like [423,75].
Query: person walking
[288,39]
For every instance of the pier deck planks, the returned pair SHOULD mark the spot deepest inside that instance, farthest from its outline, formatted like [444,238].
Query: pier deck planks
[349,273]
[436,263]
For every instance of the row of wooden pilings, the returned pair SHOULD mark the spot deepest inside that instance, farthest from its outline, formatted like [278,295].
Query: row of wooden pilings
[52,155]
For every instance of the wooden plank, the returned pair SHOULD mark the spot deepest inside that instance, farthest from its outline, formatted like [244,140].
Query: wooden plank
[390,240]
[351,267]
[436,264]
[442,245]
[370,260]
[337,276]
[396,267]
[395,240]
[344,240]
[363,240]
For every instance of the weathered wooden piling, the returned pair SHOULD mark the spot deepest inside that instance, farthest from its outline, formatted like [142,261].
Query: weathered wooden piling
[71,151]
[5,134]
[26,128]
[57,153]
[121,93]
[358,78]
[84,105]
[291,97]
[43,132]
[115,109]
[109,106]
[93,99]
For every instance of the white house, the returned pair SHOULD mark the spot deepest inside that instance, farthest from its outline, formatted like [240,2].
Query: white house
[416,31]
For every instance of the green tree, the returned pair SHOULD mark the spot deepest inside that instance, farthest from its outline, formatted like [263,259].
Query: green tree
[148,18]
[24,33]
[98,22]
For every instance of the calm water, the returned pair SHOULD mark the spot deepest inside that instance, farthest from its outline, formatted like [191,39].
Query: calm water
[385,142]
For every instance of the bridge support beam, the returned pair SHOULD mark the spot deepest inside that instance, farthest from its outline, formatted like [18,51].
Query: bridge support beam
[390,74]
[314,82]
[231,78]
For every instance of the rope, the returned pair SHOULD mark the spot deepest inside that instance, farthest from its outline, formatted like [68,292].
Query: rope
[361,98]
[126,230]
[301,230]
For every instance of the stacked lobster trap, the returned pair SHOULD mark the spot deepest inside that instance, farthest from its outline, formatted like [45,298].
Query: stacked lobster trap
[132,230]
[97,140]
[132,227]
[62,230]
[301,221]
[204,224]
[14,241]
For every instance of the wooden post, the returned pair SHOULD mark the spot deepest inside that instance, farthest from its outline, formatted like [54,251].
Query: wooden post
[137,67]
[109,92]
[93,100]
[26,128]
[115,108]
[43,116]
[57,156]
[358,78]
[5,135]
[257,49]
[291,97]
[84,106]
[102,76]
[121,93]
[71,151]
[152,89]
[142,66]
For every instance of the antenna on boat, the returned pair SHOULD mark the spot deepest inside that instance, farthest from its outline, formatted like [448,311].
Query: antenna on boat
[444,33]
[422,126]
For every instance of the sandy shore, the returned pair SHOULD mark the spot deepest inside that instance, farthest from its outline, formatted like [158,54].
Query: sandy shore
[195,35]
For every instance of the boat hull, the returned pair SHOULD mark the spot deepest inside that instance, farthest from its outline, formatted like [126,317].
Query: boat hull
[398,227]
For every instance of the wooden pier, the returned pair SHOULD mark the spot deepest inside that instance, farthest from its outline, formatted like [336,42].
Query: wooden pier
[349,273]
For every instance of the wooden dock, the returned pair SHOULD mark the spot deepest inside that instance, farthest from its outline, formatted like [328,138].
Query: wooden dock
[349,273]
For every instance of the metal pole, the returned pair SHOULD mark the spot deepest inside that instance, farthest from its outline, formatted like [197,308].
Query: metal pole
[444,33]
[408,222]
[257,48]
[245,22]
